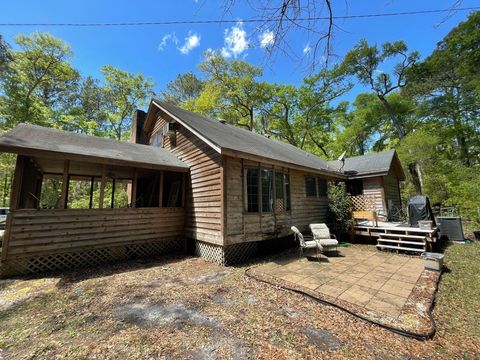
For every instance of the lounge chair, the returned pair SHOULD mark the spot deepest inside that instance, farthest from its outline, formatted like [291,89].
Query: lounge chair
[321,233]
[306,244]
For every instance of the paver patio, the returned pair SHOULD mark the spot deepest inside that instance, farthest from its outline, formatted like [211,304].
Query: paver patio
[378,281]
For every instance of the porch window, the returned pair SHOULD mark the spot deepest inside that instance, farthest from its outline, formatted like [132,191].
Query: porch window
[172,189]
[252,190]
[286,178]
[355,187]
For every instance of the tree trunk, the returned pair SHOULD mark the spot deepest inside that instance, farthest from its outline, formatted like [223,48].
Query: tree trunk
[395,121]
[414,170]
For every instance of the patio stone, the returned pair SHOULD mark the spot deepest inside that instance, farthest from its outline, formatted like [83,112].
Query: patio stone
[380,282]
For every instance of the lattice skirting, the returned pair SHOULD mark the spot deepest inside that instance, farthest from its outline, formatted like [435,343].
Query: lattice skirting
[91,257]
[229,255]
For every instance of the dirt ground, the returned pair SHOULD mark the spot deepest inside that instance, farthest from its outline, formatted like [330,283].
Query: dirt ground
[177,308]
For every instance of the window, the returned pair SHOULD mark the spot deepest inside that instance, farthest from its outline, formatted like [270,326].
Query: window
[157,139]
[260,196]
[322,187]
[287,192]
[252,190]
[355,187]
[311,186]
[267,190]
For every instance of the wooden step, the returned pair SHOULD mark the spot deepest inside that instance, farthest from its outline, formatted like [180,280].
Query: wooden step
[422,237]
[399,248]
[401,242]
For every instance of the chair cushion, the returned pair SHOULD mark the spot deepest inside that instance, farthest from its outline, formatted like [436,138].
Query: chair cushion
[312,244]
[328,242]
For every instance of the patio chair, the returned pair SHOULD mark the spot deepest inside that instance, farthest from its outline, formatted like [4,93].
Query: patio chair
[306,244]
[321,233]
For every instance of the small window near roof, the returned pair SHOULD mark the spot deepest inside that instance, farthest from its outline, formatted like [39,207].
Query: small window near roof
[310,186]
[157,139]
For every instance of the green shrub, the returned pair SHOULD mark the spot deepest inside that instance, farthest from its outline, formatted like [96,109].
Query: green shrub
[339,214]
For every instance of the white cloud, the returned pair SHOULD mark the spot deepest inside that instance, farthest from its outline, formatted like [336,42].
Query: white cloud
[235,41]
[267,39]
[307,49]
[165,39]
[191,42]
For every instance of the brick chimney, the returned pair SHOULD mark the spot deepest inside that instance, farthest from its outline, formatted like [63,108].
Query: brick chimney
[138,121]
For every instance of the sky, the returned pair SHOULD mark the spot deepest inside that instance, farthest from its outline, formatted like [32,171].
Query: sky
[163,52]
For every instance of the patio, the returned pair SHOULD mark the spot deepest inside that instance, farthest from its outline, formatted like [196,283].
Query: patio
[388,288]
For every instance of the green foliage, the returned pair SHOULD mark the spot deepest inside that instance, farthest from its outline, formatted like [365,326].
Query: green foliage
[340,204]
[185,88]
[123,92]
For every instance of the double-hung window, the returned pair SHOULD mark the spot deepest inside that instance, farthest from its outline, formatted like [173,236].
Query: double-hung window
[266,190]
[315,186]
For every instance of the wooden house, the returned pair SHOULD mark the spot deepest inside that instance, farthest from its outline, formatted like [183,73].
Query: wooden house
[191,179]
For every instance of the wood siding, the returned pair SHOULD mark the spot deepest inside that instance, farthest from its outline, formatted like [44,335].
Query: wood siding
[203,200]
[392,189]
[46,232]
[374,187]
[243,227]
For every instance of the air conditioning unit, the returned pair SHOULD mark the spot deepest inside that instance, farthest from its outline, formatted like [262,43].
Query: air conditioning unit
[450,228]
[169,129]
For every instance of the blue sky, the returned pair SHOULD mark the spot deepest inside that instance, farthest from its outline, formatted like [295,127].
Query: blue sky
[162,52]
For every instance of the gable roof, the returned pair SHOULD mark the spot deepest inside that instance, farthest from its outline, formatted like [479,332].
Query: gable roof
[230,140]
[28,139]
[373,164]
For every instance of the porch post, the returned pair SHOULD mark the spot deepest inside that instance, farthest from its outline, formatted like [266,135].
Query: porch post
[92,181]
[17,183]
[102,187]
[112,200]
[133,195]
[65,181]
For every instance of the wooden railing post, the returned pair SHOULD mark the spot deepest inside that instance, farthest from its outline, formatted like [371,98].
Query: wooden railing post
[160,190]
[133,194]
[65,183]
[102,187]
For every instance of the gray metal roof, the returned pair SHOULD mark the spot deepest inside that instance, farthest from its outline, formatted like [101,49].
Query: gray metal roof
[366,165]
[31,140]
[226,136]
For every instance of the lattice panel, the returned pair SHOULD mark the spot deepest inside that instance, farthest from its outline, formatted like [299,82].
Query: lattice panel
[363,203]
[229,255]
[209,252]
[92,257]
[239,253]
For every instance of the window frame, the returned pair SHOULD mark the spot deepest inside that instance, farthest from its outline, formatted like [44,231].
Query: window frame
[286,196]
[318,193]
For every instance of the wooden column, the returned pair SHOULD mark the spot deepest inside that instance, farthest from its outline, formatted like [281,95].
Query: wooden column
[92,181]
[65,181]
[102,186]
[160,194]
[183,190]
[17,183]
[133,195]
[112,199]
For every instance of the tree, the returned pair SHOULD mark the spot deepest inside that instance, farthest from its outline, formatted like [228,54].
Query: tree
[39,80]
[339,208]
[86,109]
[124,92]
[364,62]
[446,87]
[185,88]
[240,94]
[5,56]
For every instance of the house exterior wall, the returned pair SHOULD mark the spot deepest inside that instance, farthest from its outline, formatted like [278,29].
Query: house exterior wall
[374,187]
[242,227]
[392,189]
[203,193]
